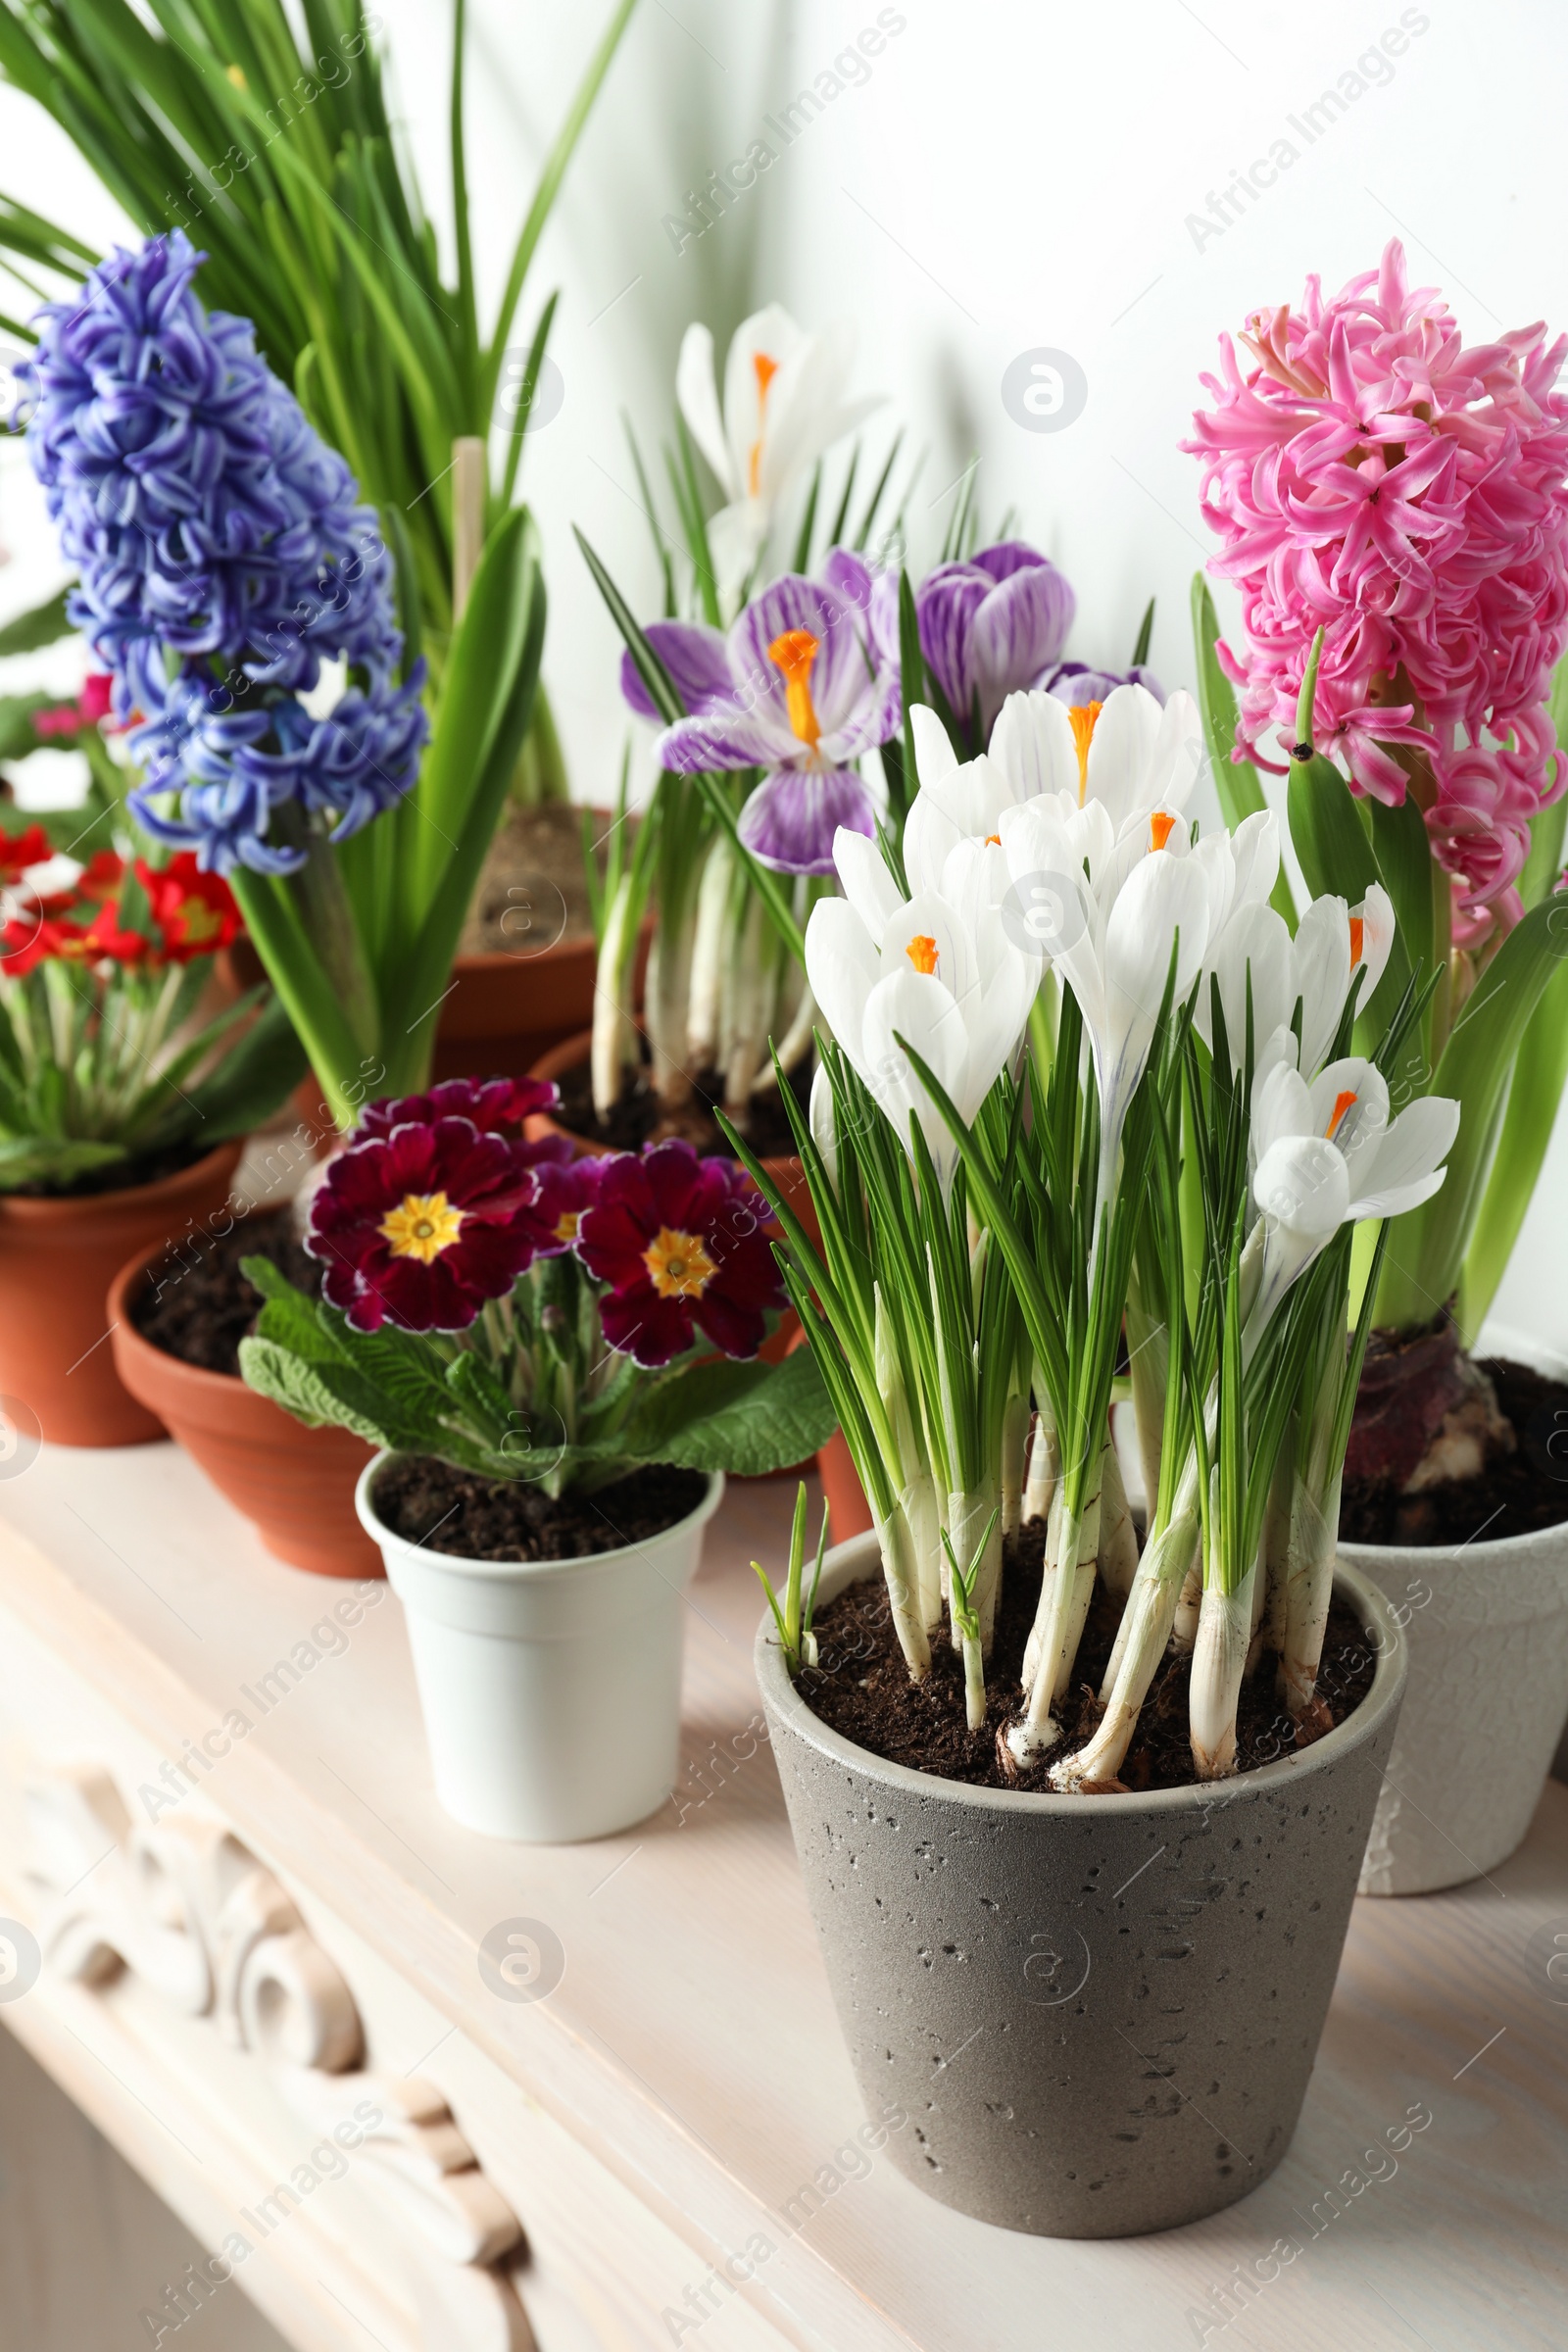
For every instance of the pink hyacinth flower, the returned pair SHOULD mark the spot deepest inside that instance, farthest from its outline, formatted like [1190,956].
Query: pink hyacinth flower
[1373,475]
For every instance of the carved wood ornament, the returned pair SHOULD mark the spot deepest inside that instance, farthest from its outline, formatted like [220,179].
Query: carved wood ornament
[188,1909]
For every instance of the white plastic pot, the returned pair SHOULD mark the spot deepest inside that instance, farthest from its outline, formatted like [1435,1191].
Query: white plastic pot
[550,1689]
[1487,1625]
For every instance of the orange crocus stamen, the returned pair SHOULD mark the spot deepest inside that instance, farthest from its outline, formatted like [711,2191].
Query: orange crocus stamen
[1358,935]
[922,951]
[1342,1104]
[793,653]
[1160,827]
[993,839]
[1082,716]
[767,370]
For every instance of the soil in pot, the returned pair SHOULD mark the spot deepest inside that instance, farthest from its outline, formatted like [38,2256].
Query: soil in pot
[203,1314]
[444,1509]
[534,868]
[639,1118]
[1521,1485]
[862,1688]
[119,1176]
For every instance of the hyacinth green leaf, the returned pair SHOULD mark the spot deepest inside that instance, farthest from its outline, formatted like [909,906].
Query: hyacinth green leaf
[1545,861]
[1240,795]
[1403,854]
[1540,1073]
[42,624]
[1428,1246]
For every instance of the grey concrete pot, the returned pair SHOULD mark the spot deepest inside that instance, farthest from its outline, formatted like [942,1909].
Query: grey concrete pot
[1098,2013]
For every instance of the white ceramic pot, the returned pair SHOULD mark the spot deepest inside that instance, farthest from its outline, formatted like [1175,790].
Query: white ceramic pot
[1487,1625]
[517,1660]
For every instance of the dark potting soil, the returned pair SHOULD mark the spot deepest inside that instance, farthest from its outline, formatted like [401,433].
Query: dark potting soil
[1512,1492]
[533,889]
[862,1688]
[444,1509]
[195,1303]
[119,1176]
[639,1117]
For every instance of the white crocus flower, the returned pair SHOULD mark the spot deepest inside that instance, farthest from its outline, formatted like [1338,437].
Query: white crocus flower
[1333,943]
[1087,773]
[1327,1155]
[783,406]
[1316,969]
[882,966]
[1112,931]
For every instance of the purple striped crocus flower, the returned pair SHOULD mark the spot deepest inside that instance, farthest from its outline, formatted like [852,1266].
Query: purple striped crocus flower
[988,626]
[803,684]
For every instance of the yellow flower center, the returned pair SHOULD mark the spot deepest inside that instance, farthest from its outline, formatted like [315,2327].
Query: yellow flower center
[1357,934]
[421,1226]
[567,1225]
[678,1266]
[1159,829]
[993,839]
[201,921]
[1342,1104]
[1083,716]
[922,951]
[767,370]
[793,653]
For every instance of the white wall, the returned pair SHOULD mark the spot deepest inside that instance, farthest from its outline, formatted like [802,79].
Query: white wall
[1009,176]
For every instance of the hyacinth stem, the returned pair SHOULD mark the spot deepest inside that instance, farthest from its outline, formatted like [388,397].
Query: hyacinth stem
[1184,1631]
[1140,1642]
[332,932]
[1308,1586]
[1219,1655]
[1045,1457]
[615,1035]
[974,1683]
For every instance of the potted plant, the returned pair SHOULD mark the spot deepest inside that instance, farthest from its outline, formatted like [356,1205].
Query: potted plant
[1409,670]
[302,197]
[770,691]
[177,1315]
[119,1105]
[555,1357]
[1052,1754]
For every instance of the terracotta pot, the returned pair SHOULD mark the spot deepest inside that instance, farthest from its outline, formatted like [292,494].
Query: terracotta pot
[56,1261]
[507,1009]
[295,1485]
[847,1511]
[1040,1988]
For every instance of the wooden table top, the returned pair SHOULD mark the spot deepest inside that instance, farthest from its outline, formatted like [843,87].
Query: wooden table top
[691,2043]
